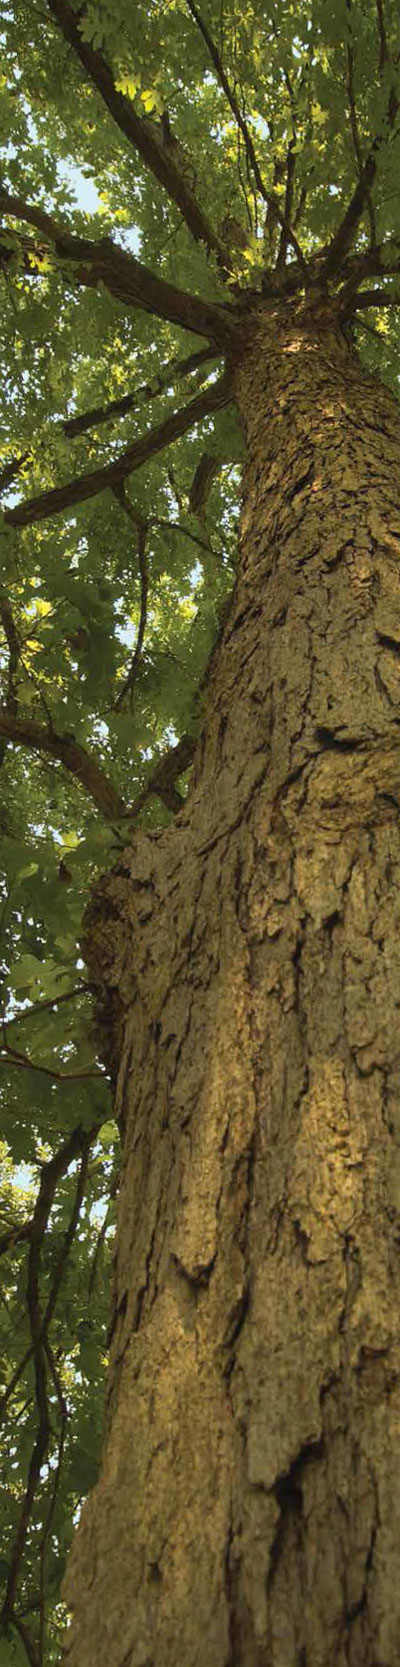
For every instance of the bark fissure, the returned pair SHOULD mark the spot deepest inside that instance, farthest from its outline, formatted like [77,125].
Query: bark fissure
[251,969]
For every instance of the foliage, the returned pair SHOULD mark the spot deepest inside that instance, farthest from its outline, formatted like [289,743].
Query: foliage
[124,276]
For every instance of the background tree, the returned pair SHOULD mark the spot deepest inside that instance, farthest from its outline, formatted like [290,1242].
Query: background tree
[199,256]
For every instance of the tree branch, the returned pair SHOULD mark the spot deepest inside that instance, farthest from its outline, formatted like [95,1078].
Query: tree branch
[14,1235]
[346,231]
[268,196]
[141,529]
[380,262]
[11,470]
[80,1141]
[355,133]
[163,160]
[229,94]
[51,1173]
[40,1006]
[126,279]
[202,481]
[71,754]
[383,46]
[288,209]
[26,1640]
[99,414]
[11,1056]
[110,474]
[14,647]
[373,298]
[162,782]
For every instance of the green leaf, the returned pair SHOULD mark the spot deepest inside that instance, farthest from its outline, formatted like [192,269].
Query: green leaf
[108,1133]
[46,978]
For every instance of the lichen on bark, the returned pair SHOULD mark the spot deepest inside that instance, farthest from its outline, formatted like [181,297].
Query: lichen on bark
[247,1512]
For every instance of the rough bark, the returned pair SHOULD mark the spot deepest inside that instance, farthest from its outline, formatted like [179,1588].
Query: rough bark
[248,1509]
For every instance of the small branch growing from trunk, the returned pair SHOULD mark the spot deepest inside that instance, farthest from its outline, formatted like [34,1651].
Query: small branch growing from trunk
[161,783]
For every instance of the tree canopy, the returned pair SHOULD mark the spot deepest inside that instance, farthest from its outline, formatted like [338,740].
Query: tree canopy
[163,167]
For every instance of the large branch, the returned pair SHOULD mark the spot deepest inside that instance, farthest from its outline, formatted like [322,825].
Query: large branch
[163,159]
[81,764]
[126,278]
[110,474]
[380,262]
[346,231]
[373,298]
[175,370]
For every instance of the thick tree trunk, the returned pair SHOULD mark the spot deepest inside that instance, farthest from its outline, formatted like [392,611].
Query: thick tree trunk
[248,1512]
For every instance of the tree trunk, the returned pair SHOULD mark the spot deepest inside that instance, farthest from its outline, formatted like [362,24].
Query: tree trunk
[248,1511]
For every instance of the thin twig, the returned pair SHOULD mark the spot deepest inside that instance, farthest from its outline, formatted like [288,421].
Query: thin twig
[40,1006]
[14,649]
[15,1235]
[11,1056]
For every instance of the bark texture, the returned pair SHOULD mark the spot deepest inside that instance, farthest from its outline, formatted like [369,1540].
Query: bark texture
[248,1512]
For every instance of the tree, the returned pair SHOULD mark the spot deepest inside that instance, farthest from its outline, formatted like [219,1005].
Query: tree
[200,762]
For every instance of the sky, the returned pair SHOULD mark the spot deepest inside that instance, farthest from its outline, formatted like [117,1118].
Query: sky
[88,199]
